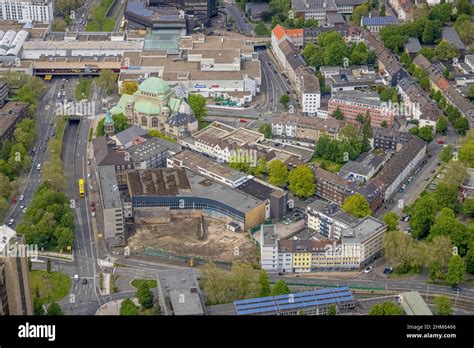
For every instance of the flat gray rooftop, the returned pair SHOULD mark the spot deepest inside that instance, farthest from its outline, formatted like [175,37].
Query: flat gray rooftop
[110,194]
[366,228]
[181,288]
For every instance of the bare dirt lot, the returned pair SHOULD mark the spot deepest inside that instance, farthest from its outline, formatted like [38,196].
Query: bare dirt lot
[181,238]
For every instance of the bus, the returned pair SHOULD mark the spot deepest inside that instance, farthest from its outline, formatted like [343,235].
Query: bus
[81,187]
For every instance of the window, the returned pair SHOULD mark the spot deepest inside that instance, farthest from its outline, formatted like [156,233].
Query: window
[144,121]
[154,122]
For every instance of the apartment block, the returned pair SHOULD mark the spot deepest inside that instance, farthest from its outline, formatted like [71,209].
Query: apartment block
[353,103]
[25,11]
[400,166]
[360,243]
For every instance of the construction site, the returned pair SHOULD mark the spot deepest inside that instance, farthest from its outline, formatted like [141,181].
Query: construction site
[192,235]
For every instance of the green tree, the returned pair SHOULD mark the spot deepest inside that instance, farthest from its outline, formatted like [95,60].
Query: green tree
[443,305]
[430,33]
[358,13]
[426,133]
[446,153]
[266,129]
[284,101]
[360,54]
[54,309]
[441,12]
[382,11]
[464,7]
[469,258]
[386,308]
[456,270]
[337,114]
[391,219]
[198,106]
[437,255]
[461,125]
[366,133]
[262,168]
[423,215]
[280,288]
[446,195]
[48,265]
[468,207]
[264,281]
[25,133]
[405,59]
[332,310]
[278,173]
[446,51]
[301,181]
[38,308]
[428,53]
[107,80]
[261,29]
[5,187]
[128,307]
[144,295]
[129,87]
[442,125]
[402,252]
[470,93]
[466,153]
[357,205]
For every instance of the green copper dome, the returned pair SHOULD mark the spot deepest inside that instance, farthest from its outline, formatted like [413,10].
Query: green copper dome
[108,118]
[154,85]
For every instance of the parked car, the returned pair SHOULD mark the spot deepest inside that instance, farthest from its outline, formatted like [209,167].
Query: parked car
[76,277]
[368,269]
[22,197]
[11,222]
[22,205]
[456,288]
[388,270]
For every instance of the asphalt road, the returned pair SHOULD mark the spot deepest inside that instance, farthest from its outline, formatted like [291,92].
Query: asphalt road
[239,18]
[81,16]
[44,116]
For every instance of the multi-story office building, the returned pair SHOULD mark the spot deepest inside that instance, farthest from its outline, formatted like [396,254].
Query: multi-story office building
[27,10]
[354,103]
[111,204]
[328,219]
[360,243]
[15,293]
[305,128]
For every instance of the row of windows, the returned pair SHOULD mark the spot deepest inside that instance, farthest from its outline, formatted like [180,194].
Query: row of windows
[190,206]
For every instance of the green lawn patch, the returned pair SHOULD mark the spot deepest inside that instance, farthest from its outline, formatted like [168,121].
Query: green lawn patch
[151,283]
[52,286]
[98,21]
[330,166]
[83,89]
